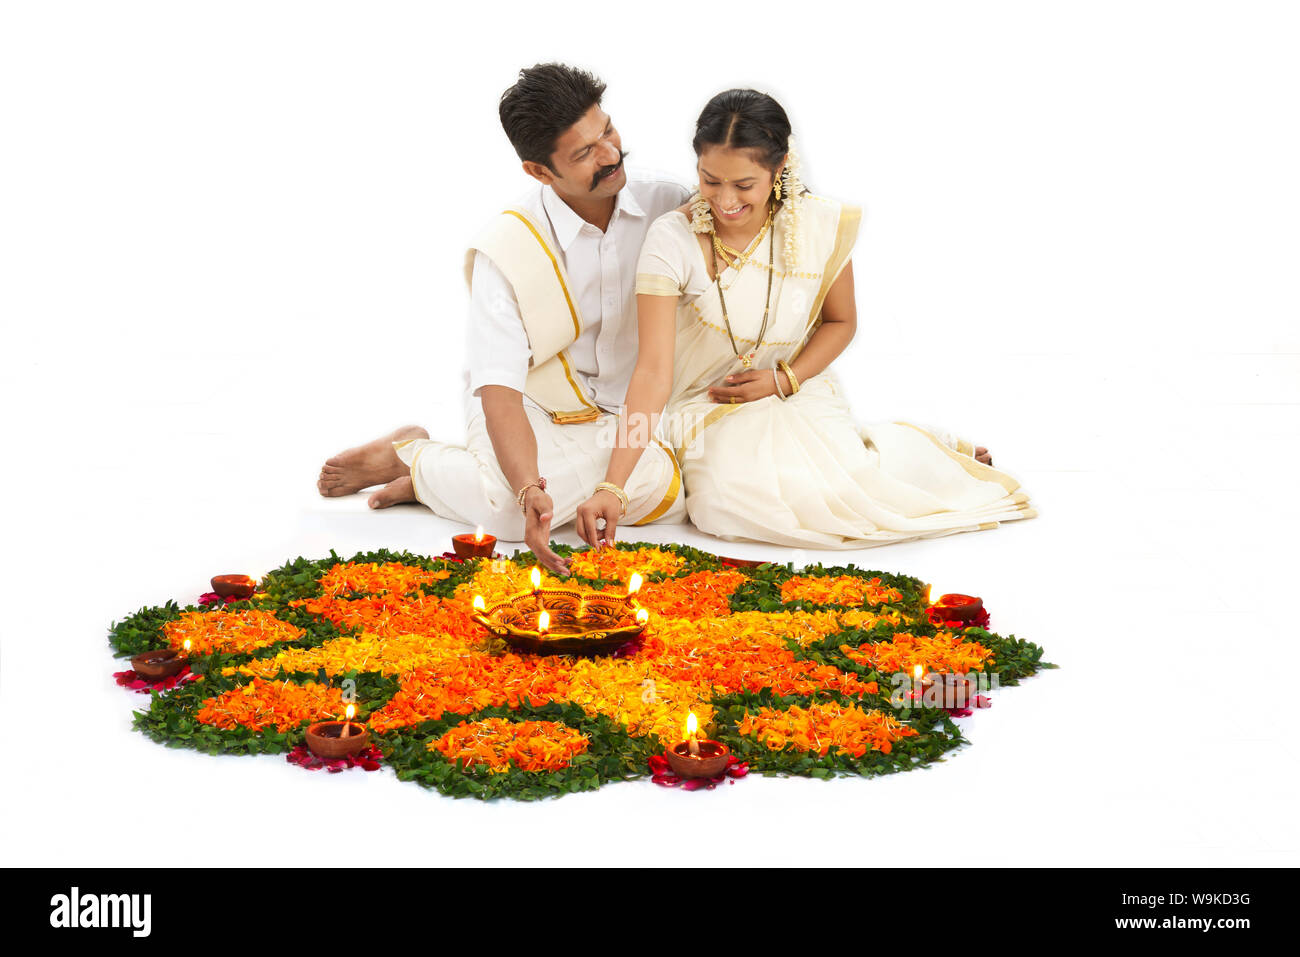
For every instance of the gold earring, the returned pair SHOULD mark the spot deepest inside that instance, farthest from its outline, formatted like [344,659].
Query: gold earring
[776,188]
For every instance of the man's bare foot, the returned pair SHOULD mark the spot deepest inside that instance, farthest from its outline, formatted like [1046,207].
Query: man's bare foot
[374,463]
[982,455]
[395,492]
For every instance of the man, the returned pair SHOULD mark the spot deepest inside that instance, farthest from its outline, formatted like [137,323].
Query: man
[552,339]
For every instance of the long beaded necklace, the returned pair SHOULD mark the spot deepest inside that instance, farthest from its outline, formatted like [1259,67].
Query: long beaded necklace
[748,358]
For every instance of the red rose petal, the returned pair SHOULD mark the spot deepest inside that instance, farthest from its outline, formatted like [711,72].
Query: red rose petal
[368,760]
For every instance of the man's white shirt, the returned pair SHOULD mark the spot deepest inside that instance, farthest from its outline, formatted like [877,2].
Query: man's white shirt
[602,276]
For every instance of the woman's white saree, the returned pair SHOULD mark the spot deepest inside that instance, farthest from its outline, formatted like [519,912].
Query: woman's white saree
[801,471]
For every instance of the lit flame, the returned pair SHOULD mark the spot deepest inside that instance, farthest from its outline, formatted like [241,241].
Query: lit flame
[634,583]
[692,725]
[478,536]
[536,577]
[642,616]
[187,644]
[918,671]
[349,711]
[479,603]
[543,621]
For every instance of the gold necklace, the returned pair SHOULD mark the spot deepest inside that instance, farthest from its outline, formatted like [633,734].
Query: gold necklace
[735,258]
[748,358]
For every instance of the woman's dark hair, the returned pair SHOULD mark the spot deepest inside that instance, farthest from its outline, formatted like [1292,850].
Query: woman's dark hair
[745,119]
[545,101]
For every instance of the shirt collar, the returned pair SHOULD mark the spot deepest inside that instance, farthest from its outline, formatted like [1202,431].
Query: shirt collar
[564,221]
[567,224]
[627,203]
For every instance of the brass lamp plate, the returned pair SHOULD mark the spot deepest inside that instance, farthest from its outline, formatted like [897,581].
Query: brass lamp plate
[581,622]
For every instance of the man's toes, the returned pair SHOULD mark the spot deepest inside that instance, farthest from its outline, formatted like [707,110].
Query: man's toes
[394,493]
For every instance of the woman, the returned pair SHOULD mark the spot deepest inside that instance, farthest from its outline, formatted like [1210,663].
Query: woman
[744,298]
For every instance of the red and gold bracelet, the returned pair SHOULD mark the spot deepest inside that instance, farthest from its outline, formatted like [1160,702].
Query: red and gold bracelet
[519,499]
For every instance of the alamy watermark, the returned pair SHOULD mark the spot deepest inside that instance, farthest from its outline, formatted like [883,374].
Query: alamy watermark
[76,909]
[637,430]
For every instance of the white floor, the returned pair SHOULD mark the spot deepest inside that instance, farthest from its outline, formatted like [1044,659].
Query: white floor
[1158,577]
[1079,249]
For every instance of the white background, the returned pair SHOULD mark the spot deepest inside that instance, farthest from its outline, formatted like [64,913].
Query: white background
[230,245]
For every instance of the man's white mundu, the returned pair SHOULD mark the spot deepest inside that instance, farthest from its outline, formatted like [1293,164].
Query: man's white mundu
[552,316]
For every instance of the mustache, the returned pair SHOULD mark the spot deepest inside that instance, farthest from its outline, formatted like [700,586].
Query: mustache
[608,171]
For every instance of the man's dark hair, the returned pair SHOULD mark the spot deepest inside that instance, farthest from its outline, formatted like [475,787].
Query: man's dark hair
[546,100]
[745,119]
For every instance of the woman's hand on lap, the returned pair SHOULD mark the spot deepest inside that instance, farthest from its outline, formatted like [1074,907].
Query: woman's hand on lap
[744,387]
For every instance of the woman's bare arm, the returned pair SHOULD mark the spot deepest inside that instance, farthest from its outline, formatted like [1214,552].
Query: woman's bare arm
[647,394]
[838,326]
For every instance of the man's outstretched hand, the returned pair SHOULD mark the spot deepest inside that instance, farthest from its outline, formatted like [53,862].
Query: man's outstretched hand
[538,511]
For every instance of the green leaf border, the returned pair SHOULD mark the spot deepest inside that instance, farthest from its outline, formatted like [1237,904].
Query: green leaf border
[614,755]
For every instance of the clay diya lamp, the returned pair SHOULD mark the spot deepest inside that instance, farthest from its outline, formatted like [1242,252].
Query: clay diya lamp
[234,586]
[954,691]
[477,545]
[696,757]
[709,763]
[157,665]
[337,739]
[958,607]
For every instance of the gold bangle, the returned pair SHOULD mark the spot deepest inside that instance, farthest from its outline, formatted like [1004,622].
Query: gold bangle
[622,496]
[776,383]
[789,374]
